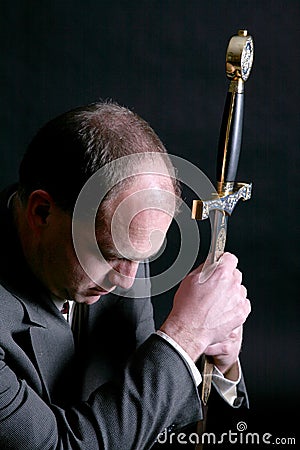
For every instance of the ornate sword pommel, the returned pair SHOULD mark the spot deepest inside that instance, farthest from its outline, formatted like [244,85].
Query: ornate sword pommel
[202,208]
[239,58]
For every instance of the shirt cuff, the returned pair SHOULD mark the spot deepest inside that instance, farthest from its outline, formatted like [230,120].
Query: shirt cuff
[226,388]
[195,372]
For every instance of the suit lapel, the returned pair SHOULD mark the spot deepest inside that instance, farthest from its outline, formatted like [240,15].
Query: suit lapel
[52,343]
[53,348]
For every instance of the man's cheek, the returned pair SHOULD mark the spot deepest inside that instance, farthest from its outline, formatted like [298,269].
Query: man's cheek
[93,270]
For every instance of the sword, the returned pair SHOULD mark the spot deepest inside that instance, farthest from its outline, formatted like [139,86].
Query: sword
[239,58]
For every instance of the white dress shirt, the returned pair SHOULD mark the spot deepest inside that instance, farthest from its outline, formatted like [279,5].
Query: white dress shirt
[226,387]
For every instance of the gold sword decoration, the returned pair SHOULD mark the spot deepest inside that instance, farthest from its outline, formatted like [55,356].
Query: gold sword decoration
[239,58]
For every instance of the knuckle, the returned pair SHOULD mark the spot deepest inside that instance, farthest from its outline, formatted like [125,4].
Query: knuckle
[248,305]
[244,291]
[243,313]
[246,309]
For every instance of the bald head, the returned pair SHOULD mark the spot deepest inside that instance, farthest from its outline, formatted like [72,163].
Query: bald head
[136,220]
[70,149]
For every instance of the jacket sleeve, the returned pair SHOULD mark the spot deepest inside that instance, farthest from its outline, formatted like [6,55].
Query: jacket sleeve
[156,390]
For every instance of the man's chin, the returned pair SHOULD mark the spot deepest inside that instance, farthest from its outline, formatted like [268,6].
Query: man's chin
[90,297]
[90,300]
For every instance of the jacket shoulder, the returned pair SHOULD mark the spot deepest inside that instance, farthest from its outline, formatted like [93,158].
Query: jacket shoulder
[11,310]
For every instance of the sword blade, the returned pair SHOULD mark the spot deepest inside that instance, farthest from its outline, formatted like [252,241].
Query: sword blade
[219,221]
[217,247]
[218,237]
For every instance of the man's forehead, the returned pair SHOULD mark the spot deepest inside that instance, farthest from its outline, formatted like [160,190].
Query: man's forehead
[142,197]
[133,224]
[136,236]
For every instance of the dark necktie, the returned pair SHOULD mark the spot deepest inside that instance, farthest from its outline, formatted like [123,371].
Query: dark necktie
[66,309]
[79,322]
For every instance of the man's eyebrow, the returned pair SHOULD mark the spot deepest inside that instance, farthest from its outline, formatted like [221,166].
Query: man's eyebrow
[111,253]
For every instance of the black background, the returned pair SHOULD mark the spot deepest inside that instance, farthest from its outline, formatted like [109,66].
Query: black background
[165,60]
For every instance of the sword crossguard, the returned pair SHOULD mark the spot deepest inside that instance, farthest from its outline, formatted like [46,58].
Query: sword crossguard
[202,208]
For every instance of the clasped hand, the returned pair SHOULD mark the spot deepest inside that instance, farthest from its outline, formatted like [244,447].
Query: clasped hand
[207,317]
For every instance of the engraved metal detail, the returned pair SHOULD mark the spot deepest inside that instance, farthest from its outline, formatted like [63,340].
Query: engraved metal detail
[221,241]
[227,203]
[247,59]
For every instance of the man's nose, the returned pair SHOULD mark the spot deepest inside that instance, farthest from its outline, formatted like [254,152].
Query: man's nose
[123,273]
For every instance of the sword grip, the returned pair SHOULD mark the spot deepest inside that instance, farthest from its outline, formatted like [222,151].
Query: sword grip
[230,137]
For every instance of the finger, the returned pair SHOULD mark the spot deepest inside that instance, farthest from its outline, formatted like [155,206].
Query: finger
[216,349]
[225,348]
[226,266]
[237,333]
[229,260]
[238,276]
[241,312]
[234,336]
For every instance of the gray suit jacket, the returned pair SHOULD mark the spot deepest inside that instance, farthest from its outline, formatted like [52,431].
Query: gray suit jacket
[117,389]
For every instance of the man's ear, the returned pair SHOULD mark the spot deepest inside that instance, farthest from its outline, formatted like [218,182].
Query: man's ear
[38,209]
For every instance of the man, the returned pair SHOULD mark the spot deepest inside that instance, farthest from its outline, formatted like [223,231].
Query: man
[112,382]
